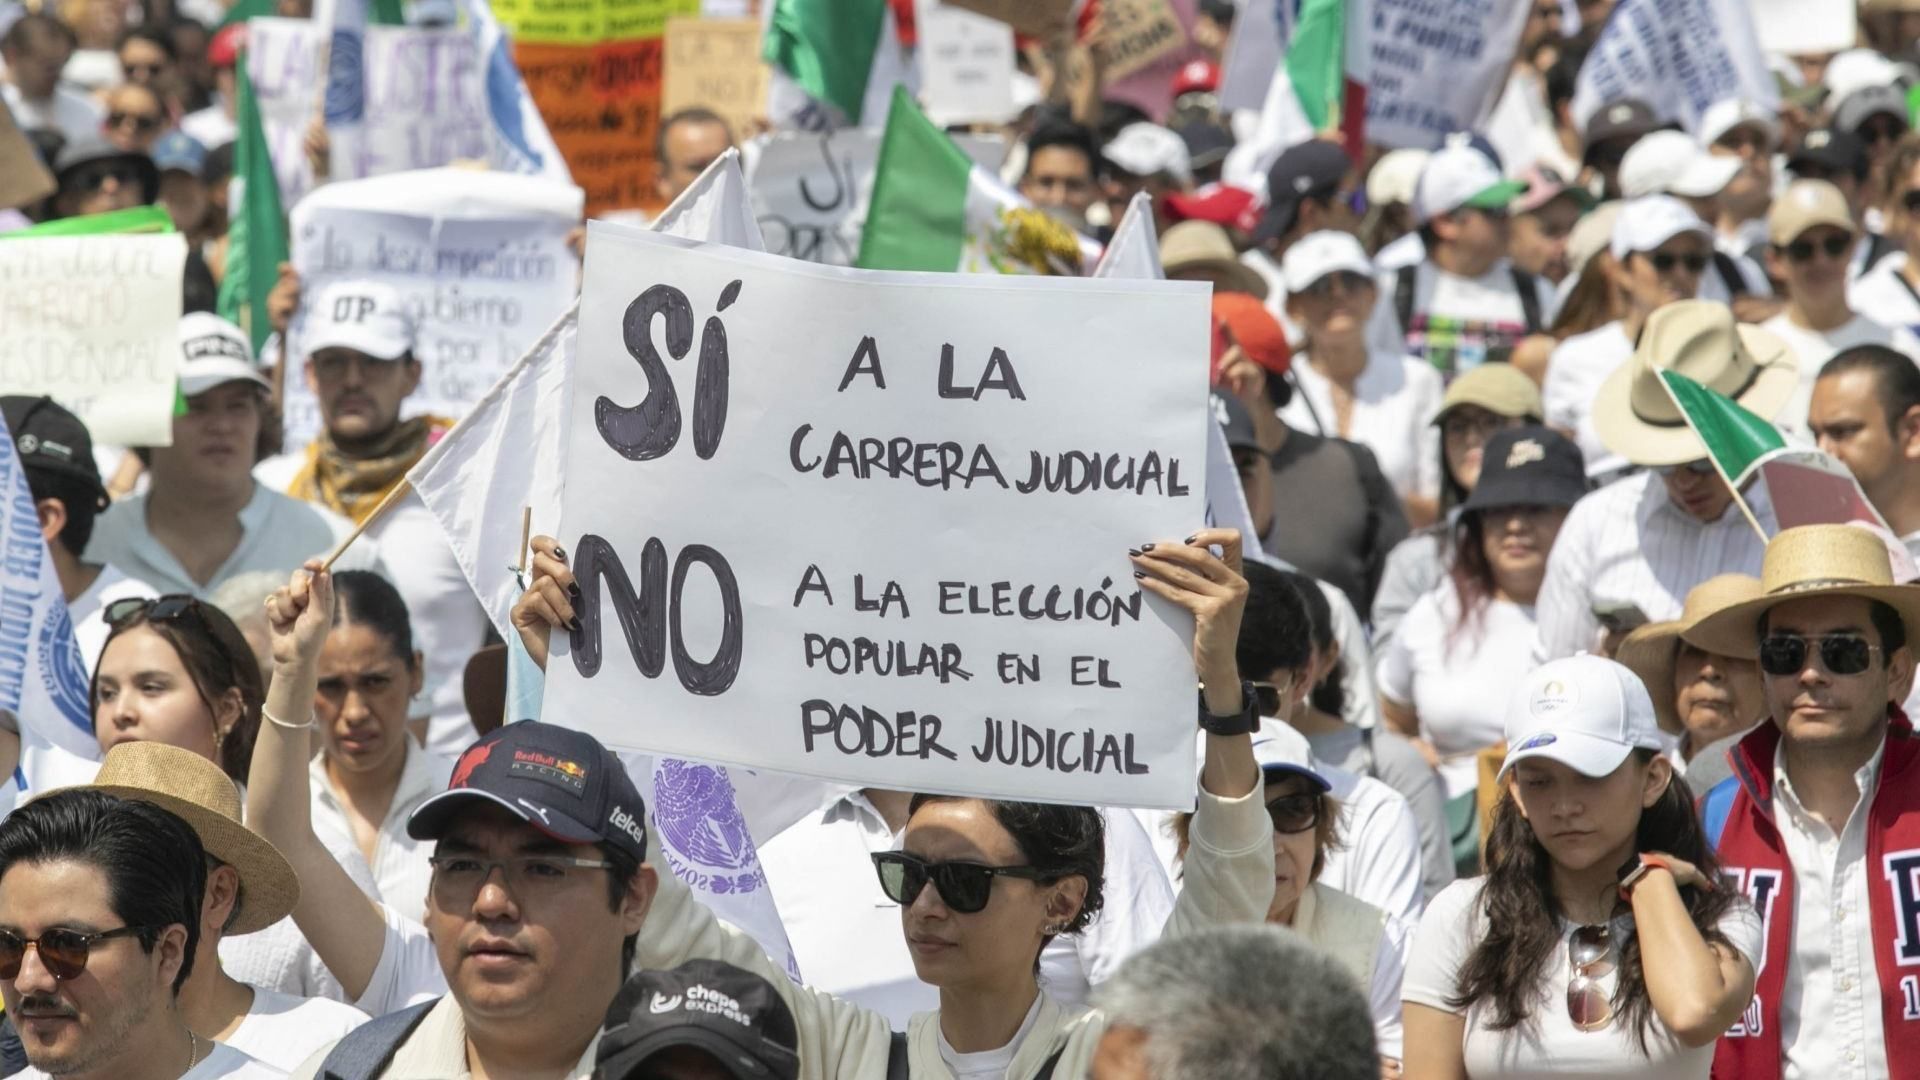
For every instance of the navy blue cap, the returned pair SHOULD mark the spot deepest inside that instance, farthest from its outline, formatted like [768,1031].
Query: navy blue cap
[560,781]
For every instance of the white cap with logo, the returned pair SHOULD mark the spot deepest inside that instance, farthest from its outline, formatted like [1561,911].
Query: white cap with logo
[1585,712]
[1645,223]
[369,317]
[214,351]
[1316,255]
[1671,163]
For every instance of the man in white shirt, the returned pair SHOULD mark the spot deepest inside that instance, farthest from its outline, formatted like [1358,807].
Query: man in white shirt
[56,452]
[36,48]
[203,519]
[1866,412]
[1811,233]
[1629,553]
[1465,304]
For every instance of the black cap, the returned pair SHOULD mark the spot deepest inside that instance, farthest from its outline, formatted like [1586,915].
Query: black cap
[1528,466]
[1314,165]
[732,1014]
[1207,143]
[1832,149]
[1236,422]
[90,148]
[560,781]
[52,440]
[1622,118]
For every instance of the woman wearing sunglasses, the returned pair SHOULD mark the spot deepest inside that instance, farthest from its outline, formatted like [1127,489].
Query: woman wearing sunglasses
[1597,944]
[1659,250]
[178,671]
[1350,390]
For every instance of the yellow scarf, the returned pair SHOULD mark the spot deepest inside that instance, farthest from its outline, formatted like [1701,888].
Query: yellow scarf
[353,486]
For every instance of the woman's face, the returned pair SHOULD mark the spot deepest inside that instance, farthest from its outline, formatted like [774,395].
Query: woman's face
[1583,820]
[983,950]
[1336,306]
[144,694]
[1517,539]
[1464,434]
[1716,696]
[1292,851]
[361,703]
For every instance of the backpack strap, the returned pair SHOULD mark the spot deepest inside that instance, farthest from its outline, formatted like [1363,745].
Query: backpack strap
[897,1056]
[1729,272]
[1529,290]
[1716,806]
[1052,1063]
[1878,247]
[366,1051]
[1403,289]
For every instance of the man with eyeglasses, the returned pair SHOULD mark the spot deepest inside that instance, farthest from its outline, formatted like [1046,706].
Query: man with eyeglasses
[1812,237]
[36,48]
[1820,823]
[100,907]
[1840,158]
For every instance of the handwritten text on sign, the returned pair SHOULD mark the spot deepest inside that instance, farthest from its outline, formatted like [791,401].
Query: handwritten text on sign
[873,527]
[1438,66]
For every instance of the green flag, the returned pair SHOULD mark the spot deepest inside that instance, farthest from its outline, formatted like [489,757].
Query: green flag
[827,47]
[1736,439]
[138,219]
[257,232]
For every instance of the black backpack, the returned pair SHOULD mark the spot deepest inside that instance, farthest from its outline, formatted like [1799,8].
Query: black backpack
[1405,280]
[366,1051]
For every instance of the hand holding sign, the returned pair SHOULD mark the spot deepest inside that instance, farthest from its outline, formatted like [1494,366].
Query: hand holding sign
[1213,590]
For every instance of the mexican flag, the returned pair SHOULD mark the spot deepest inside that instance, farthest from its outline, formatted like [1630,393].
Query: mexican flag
[257,232]
[1736,439]
[833,61]
[934,209]
[1329,61]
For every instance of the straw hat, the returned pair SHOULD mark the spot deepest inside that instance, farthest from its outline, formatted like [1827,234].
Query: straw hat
[1652,650]
[1812,560]
[1699,339]
[1204,246]
[195,789]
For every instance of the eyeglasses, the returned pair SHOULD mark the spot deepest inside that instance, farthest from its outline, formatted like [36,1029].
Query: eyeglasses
[1802,250]
[963,886]
[1347,280]
[1294,813]
[1885,131]
[457,878]
[1268,697]
[142,122]
[169,608]
[1664,262]
[1840,654]
[1590,953]
[1702,467]
[136,70]
[94,177]
[1459,425]
[62,952]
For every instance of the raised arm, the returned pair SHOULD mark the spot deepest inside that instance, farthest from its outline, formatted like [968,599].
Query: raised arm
[1698,988]
[343,924]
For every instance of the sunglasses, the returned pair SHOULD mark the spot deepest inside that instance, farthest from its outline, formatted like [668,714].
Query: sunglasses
[963,886]
[1801,251]
[95,177]
[1590,953]
[1702,467]
[1840,654]
[1664,262]
[140,121]
[1882,132]
[1347,280]
[148,70]
[1294,813]
[1459,425]
[1911,200]
[62,952]
[169,608]
[1268,697]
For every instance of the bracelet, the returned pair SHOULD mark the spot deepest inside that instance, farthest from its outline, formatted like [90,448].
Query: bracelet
[279,723]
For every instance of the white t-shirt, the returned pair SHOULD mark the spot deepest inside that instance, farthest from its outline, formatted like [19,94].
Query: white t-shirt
[408,972]
[1458,683]
[1551,1045]
[1574,374]
[88,610]
[282,1030]
[1394,402]
[1816,347]
[221,1062]
[1459,323]
[43,767]
[69,112]
[988,1064]
[1883,295]
[211,126]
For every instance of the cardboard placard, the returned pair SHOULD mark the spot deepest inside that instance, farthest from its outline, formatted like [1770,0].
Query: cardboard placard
[1035,18]
[715,64]
[966,65]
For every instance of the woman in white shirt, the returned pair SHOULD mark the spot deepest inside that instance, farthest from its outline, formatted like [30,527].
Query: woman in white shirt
[1383,401]
[1464,644]
[1597,945]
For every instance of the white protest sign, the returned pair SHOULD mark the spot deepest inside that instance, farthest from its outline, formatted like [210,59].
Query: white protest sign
[94,322]
[480,256]
[1253,53]
[1678,56]
[809,190]
[422,103]
[1801,27]
[877,523]
[283,62]
[966,64]
[1438,66]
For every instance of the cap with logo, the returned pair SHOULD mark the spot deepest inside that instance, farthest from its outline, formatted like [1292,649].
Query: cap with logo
[1312,166]
[1460,176]
[1528,466]
[50,439]
[1807,204]
[1623,119]
[734,1015]
[1723,116]
[1864,104]
[1585,712]
[1671,163]
[560,781]
[1144,149]
[1832,149]
[213,351]
[1645,223]
[1316,255]
[369,317]
[1196,77]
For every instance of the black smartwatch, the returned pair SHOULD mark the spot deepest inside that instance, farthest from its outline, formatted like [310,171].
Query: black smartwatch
[1244,722]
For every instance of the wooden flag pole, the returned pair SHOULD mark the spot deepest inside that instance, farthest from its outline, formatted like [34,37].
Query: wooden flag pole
[400,491]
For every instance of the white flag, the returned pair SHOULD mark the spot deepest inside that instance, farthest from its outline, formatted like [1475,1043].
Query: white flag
[518,139]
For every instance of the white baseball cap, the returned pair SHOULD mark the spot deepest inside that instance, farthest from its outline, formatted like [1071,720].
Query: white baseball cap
[1458,175]
[1671,163]
[1283,751]
[214,351]
[1316,255]
[1729,113]
[1145,149]
[368,317]
[1395,176]
[1585,712]
[1645,223]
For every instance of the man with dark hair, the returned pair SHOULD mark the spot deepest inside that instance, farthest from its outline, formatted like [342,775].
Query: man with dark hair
[1059,178]
[36,48]
[56,452]
[689,141]
[100,903]
[1866,412]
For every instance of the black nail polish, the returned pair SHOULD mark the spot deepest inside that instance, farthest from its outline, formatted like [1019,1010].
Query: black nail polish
[1135,552]
[1146,547]
[1191,539]
[560,553]
[1141,574]
[574,624]
[573,590]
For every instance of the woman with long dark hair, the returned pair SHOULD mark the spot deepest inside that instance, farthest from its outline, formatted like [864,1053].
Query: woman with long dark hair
[1597,944]
[176,670]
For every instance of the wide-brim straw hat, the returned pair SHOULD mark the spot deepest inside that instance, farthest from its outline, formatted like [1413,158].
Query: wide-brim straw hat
[1653,650]
[1202,245]
[1812,560]
[1633,413]
[195,790]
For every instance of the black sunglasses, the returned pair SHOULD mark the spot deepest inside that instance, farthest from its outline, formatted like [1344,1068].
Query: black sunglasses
[93,178]
[140,121]
[1348,281]
[169,608]
[1802,250]
[963,886]
[1841,654]
[1664,262]
[1294,813]
[63,952]
[1911,200]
